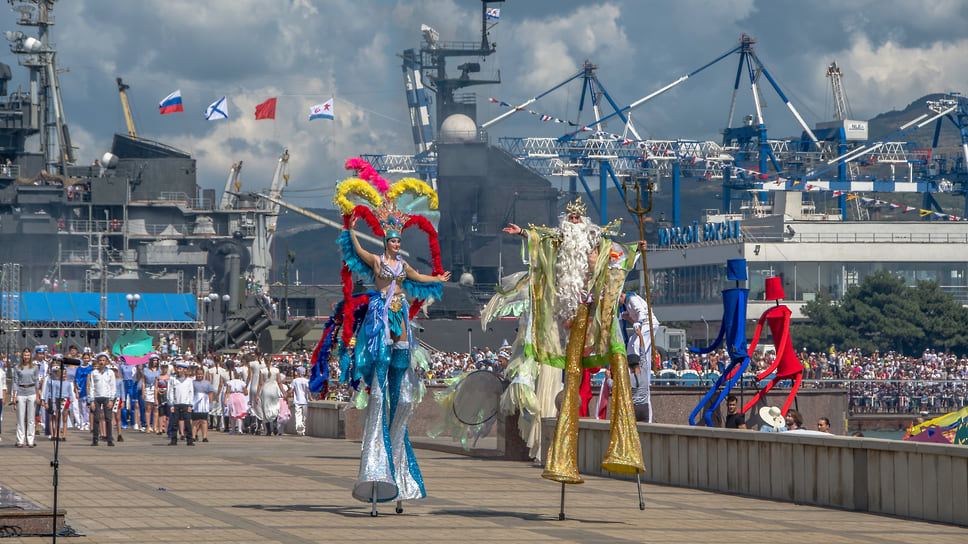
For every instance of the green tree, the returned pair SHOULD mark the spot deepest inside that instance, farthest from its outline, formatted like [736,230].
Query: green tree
[883,314]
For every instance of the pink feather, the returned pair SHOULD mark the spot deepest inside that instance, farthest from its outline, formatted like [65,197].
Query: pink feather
[366,172]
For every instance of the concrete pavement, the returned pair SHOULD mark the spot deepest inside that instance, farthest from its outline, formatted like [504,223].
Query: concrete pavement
[242,489]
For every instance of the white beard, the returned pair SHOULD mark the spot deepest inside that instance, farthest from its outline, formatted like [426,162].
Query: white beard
[571,268]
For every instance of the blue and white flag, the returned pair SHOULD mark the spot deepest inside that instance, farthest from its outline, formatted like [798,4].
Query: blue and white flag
[493,13]
[322,111]
[218,110]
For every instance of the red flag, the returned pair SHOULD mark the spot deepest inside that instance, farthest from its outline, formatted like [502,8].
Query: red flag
[266,110]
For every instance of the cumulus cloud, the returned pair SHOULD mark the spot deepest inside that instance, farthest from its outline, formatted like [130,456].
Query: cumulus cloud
[306,51]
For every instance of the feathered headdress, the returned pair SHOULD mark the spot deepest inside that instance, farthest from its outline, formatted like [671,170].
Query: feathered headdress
[388,209]
[392,220]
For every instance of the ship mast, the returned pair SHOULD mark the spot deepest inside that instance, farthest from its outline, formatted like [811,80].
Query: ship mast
[39,57]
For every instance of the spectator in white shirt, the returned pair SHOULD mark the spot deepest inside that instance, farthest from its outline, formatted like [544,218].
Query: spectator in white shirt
[300,398]
[102,392]
[181,394]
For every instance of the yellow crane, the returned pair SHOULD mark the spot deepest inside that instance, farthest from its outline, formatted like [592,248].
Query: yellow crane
[127,109]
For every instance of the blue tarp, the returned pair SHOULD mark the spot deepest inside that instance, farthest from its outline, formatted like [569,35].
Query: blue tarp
[85,307]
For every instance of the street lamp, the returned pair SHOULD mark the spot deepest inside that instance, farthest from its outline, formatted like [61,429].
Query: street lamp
[225,318]
[210,301]
[133,301]
[707,329]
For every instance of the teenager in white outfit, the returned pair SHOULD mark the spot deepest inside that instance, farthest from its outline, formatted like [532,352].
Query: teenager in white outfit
[639,352]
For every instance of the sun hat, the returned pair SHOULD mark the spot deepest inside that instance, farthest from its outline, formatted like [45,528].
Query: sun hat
[772,416]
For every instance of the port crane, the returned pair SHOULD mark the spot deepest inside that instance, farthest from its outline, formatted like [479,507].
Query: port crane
[265,227]
[748,160]
[40,58]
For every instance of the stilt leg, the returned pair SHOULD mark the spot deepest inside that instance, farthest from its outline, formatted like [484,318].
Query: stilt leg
[638,484]
[561,513]
[399,507]
[373,501]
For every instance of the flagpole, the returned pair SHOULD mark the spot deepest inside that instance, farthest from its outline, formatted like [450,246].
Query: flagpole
[191,151]
[228,124]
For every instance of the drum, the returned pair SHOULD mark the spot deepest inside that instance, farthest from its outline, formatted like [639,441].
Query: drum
[477,397]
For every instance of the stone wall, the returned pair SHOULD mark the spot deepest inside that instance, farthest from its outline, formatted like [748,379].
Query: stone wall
[671,405]
[908,479]
[674,404]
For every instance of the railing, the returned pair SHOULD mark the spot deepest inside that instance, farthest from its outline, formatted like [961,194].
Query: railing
[865,397]
[879,238]
[10,170]
[82,256]
[904,396]
[157,228]
[86,226]
[173,196]
[200,204]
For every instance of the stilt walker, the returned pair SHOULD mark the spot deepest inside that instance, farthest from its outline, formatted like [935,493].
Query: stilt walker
[371,332]
[594,326]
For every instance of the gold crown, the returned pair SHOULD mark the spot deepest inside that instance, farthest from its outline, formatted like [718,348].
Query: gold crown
[576,208]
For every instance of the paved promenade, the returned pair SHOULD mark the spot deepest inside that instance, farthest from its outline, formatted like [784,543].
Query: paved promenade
[240,489]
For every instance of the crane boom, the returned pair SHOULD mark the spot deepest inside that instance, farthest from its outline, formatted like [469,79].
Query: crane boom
[279,180]
[232,185]
[318,218]
[128,119]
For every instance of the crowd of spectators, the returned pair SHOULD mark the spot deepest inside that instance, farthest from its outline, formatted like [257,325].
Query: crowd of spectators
[889,382]
[933,382]
[139,398]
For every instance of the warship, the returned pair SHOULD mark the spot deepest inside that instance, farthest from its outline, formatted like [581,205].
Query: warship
[135,221]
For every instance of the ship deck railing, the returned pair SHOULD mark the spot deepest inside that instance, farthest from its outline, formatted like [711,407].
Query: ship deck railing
[190,202]
[91,226]
[872,238]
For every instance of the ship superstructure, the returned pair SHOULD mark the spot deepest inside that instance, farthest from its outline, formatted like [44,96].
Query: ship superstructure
[134,221]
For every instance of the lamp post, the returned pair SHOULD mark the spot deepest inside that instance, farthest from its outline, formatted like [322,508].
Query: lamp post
[707,329]
[209,301]
[225,318]
[133,300]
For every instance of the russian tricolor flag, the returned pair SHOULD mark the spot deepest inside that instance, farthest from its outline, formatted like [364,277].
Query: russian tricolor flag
[172,103]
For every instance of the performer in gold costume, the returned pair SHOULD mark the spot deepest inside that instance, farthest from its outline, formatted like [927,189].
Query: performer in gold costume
[567,302]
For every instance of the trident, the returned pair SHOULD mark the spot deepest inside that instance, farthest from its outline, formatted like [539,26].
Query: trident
[639,212]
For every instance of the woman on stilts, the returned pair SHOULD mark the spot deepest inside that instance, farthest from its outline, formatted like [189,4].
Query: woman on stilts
[379,360]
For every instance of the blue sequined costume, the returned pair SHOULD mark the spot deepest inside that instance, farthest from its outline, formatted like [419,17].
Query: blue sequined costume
[388,468]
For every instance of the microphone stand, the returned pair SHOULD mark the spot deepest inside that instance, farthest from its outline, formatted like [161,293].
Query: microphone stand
[60,424]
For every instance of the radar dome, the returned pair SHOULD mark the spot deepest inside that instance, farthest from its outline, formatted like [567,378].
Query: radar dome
[458,128]
[109,160]
[467,279]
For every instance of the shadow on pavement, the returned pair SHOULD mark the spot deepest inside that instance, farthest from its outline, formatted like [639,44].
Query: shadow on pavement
[527,516]
[343,510]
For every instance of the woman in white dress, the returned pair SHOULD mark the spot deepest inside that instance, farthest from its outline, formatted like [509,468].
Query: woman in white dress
[270,391]
[254,380]
[235,402]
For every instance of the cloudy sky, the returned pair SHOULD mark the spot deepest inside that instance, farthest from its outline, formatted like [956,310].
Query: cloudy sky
[306,51]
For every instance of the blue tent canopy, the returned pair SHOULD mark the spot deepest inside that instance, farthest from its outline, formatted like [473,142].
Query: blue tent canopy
[85,307]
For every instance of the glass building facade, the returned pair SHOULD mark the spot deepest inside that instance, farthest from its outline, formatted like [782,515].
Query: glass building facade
[802,281]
